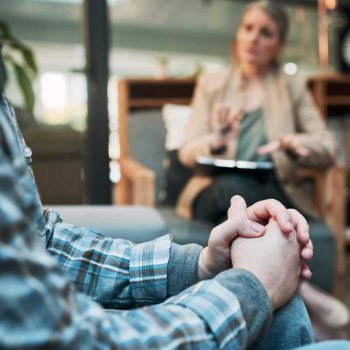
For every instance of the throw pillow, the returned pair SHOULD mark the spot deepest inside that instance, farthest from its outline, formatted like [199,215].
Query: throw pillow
[175,118]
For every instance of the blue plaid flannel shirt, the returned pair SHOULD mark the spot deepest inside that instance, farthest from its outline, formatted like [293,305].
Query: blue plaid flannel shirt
[41,309]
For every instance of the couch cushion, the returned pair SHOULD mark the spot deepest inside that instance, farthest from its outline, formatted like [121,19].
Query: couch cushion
[175,178]
[148,133]
[135,223]
[175,118]
[146,138]
[185,231]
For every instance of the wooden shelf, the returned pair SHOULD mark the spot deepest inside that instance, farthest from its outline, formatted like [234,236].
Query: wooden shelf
[338,101]
[330,78]
[138,103]
[154,93]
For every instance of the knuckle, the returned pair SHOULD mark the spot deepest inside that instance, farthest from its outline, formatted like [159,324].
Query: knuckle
[275,203]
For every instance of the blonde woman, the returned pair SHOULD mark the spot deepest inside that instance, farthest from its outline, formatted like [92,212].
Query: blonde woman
[254,112]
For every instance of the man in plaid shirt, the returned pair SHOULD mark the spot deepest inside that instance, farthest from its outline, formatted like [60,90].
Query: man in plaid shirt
[191,297]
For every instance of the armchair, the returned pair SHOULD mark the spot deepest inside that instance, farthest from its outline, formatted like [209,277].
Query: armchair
[142,139]
[142,136]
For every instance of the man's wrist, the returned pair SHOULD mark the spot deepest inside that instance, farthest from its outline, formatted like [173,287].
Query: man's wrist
[182,267]
[203,272]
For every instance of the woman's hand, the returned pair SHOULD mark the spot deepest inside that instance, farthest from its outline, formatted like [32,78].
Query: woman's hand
[289,143]
[225,124]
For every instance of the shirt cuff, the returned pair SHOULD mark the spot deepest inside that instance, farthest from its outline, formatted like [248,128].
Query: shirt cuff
[182,267]
[253,299]
[219,309]
[148,270]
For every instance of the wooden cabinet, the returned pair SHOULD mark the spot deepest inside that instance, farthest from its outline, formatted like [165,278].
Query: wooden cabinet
[331,94]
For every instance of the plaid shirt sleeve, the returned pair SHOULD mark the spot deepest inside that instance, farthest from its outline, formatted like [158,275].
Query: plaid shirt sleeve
[115,272]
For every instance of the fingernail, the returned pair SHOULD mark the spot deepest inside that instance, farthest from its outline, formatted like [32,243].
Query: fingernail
[257,228]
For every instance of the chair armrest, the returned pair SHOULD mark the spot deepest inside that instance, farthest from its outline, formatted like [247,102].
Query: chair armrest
[137,183]
[329,193]
[320,179]
[330,200]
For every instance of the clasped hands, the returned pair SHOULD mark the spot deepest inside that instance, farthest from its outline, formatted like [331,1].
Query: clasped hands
[268,240]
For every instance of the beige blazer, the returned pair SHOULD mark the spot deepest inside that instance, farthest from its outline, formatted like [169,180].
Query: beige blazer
[287,108]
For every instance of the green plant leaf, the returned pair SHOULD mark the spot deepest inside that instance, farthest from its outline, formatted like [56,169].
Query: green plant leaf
[28,57]
[21,58]
[26,87]
[26,53]
[5,75]
[5,32]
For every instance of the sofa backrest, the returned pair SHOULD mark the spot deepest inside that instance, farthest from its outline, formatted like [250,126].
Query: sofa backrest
[146,139]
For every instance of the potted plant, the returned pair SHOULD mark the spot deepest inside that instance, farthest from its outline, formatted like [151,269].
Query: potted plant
[18,60]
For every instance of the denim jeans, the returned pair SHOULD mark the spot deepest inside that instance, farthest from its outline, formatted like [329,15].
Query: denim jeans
[328,345]
[290,328]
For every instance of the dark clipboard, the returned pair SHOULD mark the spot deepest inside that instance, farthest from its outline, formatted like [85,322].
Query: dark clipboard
[207,165]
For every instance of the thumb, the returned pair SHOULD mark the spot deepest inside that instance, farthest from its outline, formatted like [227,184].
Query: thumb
[251,229]
[237,214]
[237,208]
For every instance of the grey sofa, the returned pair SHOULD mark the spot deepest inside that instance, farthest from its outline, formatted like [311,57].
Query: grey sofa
[136,223]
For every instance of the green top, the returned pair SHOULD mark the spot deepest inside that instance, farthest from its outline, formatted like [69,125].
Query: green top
[251,136]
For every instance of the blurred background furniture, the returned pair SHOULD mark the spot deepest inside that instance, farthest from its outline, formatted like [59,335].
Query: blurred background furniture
[136,223]
[331,94]
[142,154]
[58,160]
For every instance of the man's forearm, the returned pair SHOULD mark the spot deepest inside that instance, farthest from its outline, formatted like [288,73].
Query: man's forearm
[254,301]
[118,273]
[114,272]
